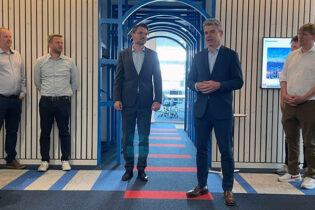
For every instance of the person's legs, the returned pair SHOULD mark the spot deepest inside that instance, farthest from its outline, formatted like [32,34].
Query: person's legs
[62,115]
[144,125]
[46,114]
[128,129]
[203,128]
[12,118]
[223,132]
[291,127]
[307,117]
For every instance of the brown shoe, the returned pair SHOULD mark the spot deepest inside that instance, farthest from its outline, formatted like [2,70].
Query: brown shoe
[229,198]
[197,191]
[15,164]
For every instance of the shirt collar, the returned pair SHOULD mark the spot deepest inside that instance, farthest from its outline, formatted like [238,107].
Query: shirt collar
[2,51]
[60,57]
[134,50]
[216,50]
[311,50]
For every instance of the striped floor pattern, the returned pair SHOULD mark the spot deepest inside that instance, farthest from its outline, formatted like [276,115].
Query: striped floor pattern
[171,169]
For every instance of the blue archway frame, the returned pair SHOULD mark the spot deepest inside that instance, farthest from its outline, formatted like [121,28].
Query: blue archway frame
[120,21]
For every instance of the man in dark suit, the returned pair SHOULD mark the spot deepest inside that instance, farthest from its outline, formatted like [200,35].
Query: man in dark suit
[137,91]
[214,74]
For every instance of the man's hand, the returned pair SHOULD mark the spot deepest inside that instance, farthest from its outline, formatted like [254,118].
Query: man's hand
[208,86]
[294,100]
[156,106]
[118,105]
[21,97]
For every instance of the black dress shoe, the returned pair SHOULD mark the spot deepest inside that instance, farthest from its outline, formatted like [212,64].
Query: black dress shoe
[127,175]
[197,191]
[229,198]
[142,175]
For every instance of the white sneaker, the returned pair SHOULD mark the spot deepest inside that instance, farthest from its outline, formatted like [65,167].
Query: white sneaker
[309,183]
[43,166]
[65,165]
[282,170]
[290,178]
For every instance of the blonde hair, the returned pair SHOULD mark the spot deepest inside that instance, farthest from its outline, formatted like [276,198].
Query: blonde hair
[308,27]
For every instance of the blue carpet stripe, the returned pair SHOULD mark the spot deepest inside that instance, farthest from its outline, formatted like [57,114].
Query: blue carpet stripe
[110,181]
[214,183]
[63,181]
[23,181]
[297,185]
[244,184]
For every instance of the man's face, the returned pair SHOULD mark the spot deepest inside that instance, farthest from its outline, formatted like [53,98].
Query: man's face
[140,36]
[306,39]
[56,45]
[5,39]
[212,35]
[295,45]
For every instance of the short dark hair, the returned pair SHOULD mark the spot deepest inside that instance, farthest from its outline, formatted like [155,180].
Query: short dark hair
[294,39]
[143,25]
[52,36]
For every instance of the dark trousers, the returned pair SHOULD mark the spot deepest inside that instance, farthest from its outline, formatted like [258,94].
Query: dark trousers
[286,155]
[223,132]
[293,118]
[10,113]
[50,109]
[130,117]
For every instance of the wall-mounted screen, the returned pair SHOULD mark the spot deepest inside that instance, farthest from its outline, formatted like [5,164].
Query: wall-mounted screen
[275,52]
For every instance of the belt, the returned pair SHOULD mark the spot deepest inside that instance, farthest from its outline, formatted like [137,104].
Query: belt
[10,96]
[56,98]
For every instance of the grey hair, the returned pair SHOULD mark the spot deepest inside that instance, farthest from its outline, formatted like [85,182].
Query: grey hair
[213,21]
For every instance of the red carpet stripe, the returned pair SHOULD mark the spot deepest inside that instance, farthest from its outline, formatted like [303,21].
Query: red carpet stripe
[164,133]
[167,145]
[166,156]
[164,137]
[162,129]
[169,169]
[163,195]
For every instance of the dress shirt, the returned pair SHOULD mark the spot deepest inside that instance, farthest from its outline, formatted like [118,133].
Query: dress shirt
[299,72]
[212,57]
[12,74]
[138,58]
[56,77]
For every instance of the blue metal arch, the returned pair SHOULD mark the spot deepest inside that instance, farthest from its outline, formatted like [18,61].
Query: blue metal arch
[154,15]
[175,26]
[191,38]
[186,39]
[146,2]
[167,37]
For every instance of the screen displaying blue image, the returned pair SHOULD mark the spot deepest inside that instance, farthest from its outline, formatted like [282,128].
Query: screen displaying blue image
[275,61]
[275,52]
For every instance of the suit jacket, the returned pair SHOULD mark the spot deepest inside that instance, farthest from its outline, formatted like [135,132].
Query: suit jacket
[227,70]
[127,81]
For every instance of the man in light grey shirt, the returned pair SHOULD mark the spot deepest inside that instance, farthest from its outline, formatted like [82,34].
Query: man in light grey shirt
[56,77]
[12,92]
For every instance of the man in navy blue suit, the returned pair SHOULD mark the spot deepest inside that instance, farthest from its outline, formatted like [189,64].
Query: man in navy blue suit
[214,74]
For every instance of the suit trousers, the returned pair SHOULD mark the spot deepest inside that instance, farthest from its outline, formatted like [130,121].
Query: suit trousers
[132,116]
[59,109]
[223,133]
[10,112]
[293,118]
